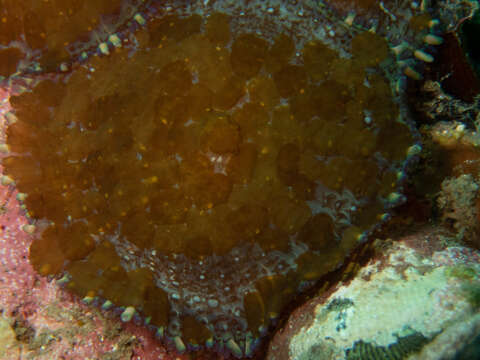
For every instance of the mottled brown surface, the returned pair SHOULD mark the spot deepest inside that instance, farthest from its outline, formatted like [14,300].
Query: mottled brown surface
[163,150]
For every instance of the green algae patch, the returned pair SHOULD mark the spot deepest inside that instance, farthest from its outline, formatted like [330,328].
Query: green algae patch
[462,272]
[470,283]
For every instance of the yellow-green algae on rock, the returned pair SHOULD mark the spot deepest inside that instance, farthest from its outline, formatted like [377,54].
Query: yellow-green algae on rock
[206,173]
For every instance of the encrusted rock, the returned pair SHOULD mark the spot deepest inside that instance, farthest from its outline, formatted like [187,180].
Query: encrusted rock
[418,291]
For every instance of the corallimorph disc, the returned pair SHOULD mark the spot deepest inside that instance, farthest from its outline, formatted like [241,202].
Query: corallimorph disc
[208,167]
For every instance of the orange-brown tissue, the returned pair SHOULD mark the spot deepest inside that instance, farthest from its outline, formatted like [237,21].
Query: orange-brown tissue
[204,177]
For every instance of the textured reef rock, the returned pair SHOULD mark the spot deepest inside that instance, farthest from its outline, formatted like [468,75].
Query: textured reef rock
[458,142]
[205,163]
[458,203]
[375,315]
